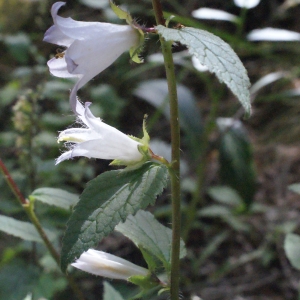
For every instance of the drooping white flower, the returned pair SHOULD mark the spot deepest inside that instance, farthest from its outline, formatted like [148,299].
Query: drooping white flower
[91,47]
[246,3]
[273,35]
[108,265]
[99,140]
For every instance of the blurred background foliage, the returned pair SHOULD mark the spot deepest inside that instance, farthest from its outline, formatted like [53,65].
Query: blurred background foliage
[235,172]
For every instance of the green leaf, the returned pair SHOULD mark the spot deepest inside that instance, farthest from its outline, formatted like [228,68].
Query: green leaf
[110,293]
[148,234]
[107,200]
[23,230]
[225,195]
[217,56]
[292,249]
[237,168]
[56,197]
[155,92]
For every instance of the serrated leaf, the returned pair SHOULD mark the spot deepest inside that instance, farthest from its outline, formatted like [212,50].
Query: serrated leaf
[56,197]
[107,200]
[292,249]
[148,234]
[110,293]
[23,230]
[217,56]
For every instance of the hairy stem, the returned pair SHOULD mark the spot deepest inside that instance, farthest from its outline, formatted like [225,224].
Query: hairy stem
[175,141]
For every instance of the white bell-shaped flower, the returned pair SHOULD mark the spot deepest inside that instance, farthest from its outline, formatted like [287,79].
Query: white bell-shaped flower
[99,140]
[108,265]
[90,47]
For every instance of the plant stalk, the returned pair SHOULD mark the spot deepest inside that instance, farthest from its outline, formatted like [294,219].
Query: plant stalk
[28,207]
[175,166]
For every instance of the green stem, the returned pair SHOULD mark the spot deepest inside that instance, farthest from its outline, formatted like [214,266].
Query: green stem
[175,141]
[28,207]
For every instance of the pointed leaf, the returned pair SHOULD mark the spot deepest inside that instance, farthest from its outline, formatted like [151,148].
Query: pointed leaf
[23,230]
[107,200]
[110,293]
[217,56]
[148,234]
[56,197]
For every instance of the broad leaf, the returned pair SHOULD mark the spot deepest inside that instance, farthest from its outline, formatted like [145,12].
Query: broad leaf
[148,234]
[217,56]
[292,249]
[110,293]
[23,230]
[107,200]
[56,197]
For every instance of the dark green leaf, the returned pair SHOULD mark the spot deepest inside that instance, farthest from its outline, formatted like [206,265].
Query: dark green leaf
[107,200]
[237,168]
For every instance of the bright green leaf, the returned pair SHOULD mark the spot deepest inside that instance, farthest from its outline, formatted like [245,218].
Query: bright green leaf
[217,56]
[107,200]
[148,234]
[292,249]
[23,230]
[110,293]
[56,197]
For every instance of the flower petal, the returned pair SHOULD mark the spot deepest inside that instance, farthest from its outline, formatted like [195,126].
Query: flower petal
[80,29]
[246,3]
[58,68]
[108,265]
[213,14]
[103,149]
[77,135]
[55,36]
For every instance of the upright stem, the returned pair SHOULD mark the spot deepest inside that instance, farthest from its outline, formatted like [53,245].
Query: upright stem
[28,207]
[175,141]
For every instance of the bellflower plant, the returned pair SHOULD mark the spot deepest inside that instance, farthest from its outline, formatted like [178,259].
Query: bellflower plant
[90,47]
[99,140]
[108,265]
